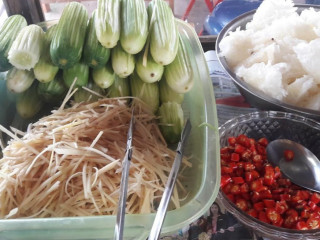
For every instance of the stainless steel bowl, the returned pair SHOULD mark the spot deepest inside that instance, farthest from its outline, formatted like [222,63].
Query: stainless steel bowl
[272,125]
[254,96]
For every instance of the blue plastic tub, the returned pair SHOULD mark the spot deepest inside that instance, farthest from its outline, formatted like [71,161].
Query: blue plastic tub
[227,10]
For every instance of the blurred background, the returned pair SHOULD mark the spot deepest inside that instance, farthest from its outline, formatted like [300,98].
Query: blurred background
[194,12]
[208,17]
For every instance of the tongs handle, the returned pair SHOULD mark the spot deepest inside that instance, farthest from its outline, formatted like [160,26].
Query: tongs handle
[165,199]
[118,234]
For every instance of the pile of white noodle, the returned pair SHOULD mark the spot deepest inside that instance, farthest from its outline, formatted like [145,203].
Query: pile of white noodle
[69,163]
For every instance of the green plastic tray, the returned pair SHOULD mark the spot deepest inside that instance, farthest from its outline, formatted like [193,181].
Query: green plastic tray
[202,180]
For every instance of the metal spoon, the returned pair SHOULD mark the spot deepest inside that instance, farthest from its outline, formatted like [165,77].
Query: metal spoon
[303,169]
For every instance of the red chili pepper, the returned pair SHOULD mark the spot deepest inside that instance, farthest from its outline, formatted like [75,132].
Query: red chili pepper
[232,141]
[315,197]
[305,194]
[259,167]
[284,182]
[300,196]
[238,180]
[261,149]
[252,142]
[277,172]
[235,157]
[224,150]
[301,205]
[243,140]
[312,205]
[248,176]
[305,213]
[246,195]
[227,187]
[269,203]
[257,159]
[256,185]
[276,197]
[253,150]
[242,204]
[225,156]
[260,190]
[255,197]
[255,174]
[231,197]
[277,190]
[285,197]
[279,223]
[293,213]
[239,148]
[263,141]
[246,155]
[301,225]
[253,213]
[239,171]
[263,217]
[266,194]
[315,215]
[269,175]
[290,221]
[244,188]
[296,198]
[225,179]
[288,155]
[240,164]
[259,206]
[226,170]
[233,165]
[235,189]
[248,166]
[281,207]
[313,223]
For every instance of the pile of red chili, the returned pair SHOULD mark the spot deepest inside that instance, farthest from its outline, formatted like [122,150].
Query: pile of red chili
[260,190]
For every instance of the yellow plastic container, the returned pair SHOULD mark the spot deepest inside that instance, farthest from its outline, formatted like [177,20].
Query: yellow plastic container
[202,180]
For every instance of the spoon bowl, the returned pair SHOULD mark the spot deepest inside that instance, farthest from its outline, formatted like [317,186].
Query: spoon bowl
[303,169]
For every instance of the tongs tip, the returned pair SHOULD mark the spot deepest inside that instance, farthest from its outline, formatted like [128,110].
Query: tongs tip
[124,183]
[184,134]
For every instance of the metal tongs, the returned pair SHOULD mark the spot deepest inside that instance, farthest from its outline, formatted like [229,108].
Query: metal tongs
[118,235]
[162,209]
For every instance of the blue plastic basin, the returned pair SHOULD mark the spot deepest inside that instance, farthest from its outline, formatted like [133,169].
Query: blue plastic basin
[227,10]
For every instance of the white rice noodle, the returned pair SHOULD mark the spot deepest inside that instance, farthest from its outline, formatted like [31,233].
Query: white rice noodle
[309,57]
[300,89]
[279,53]
[270,10]
[266,77]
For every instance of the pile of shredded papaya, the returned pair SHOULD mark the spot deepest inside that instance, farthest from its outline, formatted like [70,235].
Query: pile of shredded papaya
[69,163]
